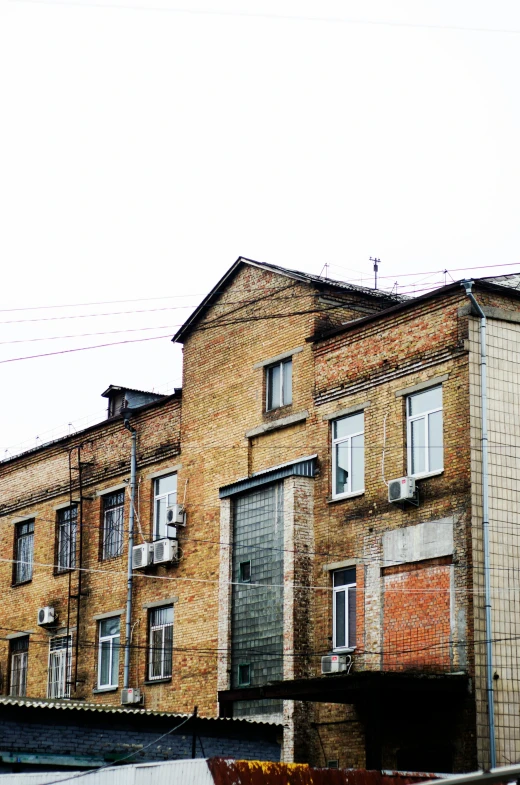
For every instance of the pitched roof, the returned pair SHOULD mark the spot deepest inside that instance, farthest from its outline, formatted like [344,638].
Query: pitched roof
[317,280]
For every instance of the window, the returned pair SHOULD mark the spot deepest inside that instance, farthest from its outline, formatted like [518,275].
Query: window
[165,494]
[244,674]
[108,659]
[67,525]
[113,522]
[344,609]
[18,652]
[161,643]
[245,572]
[279,385]
[23,551]
[348,455]
[60,667]
[425,447]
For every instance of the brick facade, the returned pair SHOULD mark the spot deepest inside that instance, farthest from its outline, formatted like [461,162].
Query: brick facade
[416,608]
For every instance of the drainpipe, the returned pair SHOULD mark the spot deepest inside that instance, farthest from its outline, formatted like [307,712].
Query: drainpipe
[485,522]
[130,576]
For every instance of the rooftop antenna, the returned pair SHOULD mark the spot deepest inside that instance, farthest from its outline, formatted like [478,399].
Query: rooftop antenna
[326,268]
[376,268]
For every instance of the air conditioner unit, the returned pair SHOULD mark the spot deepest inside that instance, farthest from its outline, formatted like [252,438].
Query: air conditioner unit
[131,695]
[335,663]
[46,615]
[142,555]
[402,489]
[165,551]
[176,514]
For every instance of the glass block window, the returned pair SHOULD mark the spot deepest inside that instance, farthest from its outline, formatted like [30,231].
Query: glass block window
[257,605]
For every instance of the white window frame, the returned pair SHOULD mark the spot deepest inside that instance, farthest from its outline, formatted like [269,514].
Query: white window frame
[422,416]
[60,665]
[113,526]
[166,654]
[67,530]
[158,535]
[335,444]
[114,649]
[349,589]
[18,668]
[283,393]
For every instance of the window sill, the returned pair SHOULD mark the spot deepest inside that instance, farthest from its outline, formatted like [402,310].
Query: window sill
[347,650]
[99,690]
[345,496]
[20,583]
[166,680]
[64,571]
[275,424]
[428,475]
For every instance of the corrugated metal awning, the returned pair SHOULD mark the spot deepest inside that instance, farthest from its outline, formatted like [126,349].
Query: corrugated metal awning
[301,467]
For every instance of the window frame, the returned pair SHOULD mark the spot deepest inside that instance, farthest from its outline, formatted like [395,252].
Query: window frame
[72,524]
[423,416]
[269,385]
[113,648]
[63,657]
[166,659]
[335,442]
[108,507]
[20,577]
[156,500]
[16,652]
[349,589]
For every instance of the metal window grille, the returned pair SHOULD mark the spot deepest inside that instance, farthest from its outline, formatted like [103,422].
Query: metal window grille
[24,549]
[18,671]
[60,667]
[161,643]
[67,529]
[113,524]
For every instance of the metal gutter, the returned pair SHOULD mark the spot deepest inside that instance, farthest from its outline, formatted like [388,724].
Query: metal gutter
[485,522]
[130,575]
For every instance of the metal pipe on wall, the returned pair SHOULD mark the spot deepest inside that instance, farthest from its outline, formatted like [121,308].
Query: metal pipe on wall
[485,523]
[130,577]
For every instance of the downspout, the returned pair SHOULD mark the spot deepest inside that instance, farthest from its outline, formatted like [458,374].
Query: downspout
[485,522]
[130,576]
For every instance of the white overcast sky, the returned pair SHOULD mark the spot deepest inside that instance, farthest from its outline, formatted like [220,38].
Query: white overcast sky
[146,144]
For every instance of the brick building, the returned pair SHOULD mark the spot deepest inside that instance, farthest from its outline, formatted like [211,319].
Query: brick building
[302,397]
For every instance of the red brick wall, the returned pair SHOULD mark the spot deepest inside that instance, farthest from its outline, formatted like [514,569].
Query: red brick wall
[417,616]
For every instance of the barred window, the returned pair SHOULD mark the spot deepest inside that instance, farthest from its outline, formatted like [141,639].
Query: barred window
[113,523]
[160,643]
[60,667]
[18,651]
[24,550]
[67,527]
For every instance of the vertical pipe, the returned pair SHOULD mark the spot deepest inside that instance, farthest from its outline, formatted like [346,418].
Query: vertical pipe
[79,532]
[485,523]
[129,582]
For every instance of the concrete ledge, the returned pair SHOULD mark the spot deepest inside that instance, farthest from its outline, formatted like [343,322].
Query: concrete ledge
[283,422]
[358,407]
[160,604]
[109,614]
[278,358]
[339,565]
[433,382]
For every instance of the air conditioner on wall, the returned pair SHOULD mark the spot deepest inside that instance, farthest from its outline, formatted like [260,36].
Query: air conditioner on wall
[131,695]
[336,663]
[175,513]
[142,555]
[401,490]
[165,551]
[46,615]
